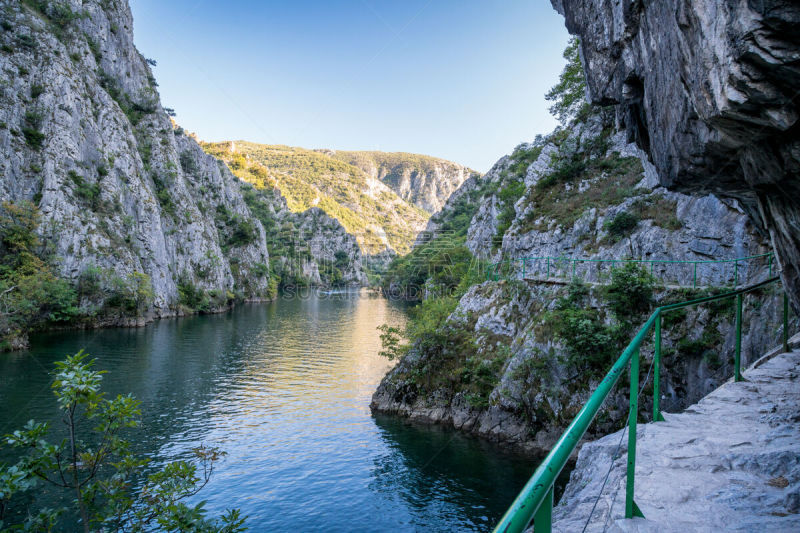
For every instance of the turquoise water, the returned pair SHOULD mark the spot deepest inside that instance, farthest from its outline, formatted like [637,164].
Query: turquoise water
[284,389]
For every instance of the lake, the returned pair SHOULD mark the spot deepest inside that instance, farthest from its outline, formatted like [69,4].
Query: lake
[284,388]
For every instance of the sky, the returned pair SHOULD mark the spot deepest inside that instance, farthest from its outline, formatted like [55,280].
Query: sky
[462,80]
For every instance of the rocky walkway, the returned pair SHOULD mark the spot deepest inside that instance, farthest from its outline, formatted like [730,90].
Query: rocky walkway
[563,281]
[731,462]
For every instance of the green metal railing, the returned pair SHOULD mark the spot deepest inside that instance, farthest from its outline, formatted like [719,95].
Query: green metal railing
[535,501]
[566,267]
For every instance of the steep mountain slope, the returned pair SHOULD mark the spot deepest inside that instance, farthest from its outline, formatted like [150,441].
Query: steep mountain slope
[514,359]
[422,180]
[306,247]
[367,208]
[709,91]
[85,137]
[130,211]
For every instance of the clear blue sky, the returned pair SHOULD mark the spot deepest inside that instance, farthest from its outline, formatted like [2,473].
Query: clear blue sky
[463,80]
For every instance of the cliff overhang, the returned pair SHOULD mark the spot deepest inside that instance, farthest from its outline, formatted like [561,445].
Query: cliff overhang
[710,91]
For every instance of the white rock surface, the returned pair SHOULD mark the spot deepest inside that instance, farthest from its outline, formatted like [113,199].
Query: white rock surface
[118,185]
[424,181]
[705,227]
[731,462]
[709,90]
[535,395]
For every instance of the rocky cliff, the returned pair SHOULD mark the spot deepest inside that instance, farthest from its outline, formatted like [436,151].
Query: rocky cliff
[565,202]
[85,137]
[425,181]
[307,246]
[124,194]
[509,360]
[708,90]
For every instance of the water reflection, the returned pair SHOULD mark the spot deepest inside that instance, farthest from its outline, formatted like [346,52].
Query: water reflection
[441,473]
[284,388]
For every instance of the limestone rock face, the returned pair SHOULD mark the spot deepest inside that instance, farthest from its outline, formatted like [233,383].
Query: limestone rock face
[306,247]
[434,223]
[671,226]
[709,91]
[331,247]
[560,197]
[120,187]
[535,394]
[424,181]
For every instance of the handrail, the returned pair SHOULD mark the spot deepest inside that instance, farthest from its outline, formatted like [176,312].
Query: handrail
[602,260]
[494,270]
[535,500]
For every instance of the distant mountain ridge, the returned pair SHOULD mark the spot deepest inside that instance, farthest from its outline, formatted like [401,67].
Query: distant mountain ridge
[384,199]
[423,180]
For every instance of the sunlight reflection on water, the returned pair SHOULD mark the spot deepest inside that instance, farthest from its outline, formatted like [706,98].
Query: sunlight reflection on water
[284,388]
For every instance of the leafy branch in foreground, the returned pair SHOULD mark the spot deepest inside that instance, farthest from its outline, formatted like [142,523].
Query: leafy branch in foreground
[94,465]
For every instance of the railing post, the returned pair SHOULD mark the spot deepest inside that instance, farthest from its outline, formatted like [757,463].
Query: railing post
[737,358]
[785,322]
[694,285]
[528,504]
[573,268]
[543,519]
[657,373]
[630,506]
[735,274]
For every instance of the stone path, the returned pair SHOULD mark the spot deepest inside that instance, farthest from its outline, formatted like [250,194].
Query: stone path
[563,281]
[731,462]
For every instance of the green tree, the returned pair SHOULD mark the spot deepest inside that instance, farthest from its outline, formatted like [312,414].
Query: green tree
[18,239]
[568,94]
[30,293]
[392,342]
[590,343]
[622,225]
[94,465]
[141,291]
[630,292]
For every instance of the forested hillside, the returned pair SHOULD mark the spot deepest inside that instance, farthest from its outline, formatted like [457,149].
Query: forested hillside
[367,208]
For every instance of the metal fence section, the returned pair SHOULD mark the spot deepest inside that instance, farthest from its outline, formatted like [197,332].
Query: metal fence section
[705,273]
[535,501]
